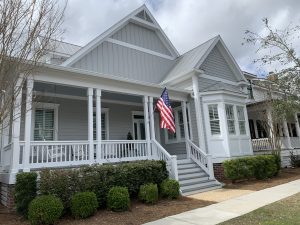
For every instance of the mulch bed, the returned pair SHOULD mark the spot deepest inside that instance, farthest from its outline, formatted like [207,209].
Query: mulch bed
[138,214]
[286,175]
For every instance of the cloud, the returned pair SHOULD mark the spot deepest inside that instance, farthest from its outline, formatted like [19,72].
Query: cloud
[187,23]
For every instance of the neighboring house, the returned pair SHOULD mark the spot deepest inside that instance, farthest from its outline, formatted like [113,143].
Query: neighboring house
[260,92]
[85,101]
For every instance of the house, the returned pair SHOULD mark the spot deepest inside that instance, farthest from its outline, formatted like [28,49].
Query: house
[261,91]
[84,102]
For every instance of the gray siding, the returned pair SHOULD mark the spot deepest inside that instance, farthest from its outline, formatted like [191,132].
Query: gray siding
[215,65]
[128,63]
[141,36]
[212,85]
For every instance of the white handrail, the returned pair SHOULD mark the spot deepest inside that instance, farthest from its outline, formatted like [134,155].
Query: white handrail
[171,160]
[201,158]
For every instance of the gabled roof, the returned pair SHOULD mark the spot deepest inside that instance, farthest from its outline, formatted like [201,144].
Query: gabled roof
[142,15]
[63,48]
[193,59]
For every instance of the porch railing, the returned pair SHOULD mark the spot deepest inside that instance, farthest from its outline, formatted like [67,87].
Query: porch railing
[201,158]
[171,160]
[123,150]
[261,144]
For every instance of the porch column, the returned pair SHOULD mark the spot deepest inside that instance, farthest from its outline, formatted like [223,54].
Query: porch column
[28,118]
[286,134]
[199,116]
[147,128]
[90,125]
[186,128]
[152,129]
[98,125]
[255,129]
[16,125]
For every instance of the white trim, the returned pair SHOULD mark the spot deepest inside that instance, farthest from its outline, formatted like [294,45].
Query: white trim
[139,113]
[223,92]
[178,139]
[101,38]
[43,105]
[219,79]
[148,51]
[145,23]
[188,106]
[106,112]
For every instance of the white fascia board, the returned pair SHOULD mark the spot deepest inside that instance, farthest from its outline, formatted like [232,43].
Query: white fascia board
[81,78]
[99,39]
[223,92]
[232,61]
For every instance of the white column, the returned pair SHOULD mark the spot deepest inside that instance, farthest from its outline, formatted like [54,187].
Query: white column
[199,116]
[28,117]
[98,124]
[297,124]
[286,134]
[16,125]
[147,128]
[255,129]
[90,125]
[152,128]
[186,128]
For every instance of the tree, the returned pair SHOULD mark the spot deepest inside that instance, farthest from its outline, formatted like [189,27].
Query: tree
[26,30]
[277,48]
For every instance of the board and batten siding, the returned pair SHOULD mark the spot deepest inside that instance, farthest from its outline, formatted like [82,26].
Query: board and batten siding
[73,119]
[215,65]
[142,37]
[111,58]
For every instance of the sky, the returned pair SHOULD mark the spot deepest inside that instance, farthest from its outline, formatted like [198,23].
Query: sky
[188,23]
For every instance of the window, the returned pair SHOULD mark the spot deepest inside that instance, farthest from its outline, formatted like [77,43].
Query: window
[241,119]
[230,119]
[179,124]
[214,119]
[44,125]
[261,130]
[252,129]
[104,124]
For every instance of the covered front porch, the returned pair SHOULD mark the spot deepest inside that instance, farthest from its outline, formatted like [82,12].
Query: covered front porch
[67,126]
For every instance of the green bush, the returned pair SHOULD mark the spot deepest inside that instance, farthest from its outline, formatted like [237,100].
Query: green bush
[84,204]
[170,189]
[148,193]
[100,178]
[295,159]
[259,167]
[118,199]
[45,209]
[25,191]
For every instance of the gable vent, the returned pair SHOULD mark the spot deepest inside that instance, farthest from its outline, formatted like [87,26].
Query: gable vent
[144,16]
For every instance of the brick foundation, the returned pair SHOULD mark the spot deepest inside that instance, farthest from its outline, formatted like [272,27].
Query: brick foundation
[7,195]
[219,171]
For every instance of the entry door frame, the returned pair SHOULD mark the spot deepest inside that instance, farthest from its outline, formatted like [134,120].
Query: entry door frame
[138,113]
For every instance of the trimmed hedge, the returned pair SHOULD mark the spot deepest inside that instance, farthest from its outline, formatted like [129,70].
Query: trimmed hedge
[84,204]
[259,167]
[45,209]
[148,193]
[100,178]
[170,189]
[118,199]
[25,191]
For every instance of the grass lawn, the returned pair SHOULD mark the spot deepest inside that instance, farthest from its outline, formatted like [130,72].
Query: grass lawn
[284,212]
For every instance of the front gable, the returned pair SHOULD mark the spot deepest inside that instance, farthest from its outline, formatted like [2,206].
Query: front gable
[136,48]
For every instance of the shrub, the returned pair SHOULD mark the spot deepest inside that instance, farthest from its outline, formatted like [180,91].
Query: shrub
[84,204]
[148,193]
[45,209]
[295,159]
[118,199]
[170,188]
[100,178]
[25,191]
[259,167]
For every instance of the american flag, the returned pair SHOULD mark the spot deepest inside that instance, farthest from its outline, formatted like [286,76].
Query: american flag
[166,113]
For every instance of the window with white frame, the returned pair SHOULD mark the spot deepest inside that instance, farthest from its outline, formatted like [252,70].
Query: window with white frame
[241,119]
[230,119]
[104,125]
[214,119]
[44,125]
[179,124]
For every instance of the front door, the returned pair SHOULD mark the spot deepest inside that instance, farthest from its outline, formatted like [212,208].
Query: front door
[139,127]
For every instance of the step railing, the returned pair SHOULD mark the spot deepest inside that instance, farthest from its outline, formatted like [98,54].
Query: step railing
[171,160]
[201,158]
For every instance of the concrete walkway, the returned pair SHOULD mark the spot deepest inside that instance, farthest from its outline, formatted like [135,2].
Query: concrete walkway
[232,208]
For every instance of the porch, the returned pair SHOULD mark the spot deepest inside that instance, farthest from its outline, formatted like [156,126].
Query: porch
[63,126]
